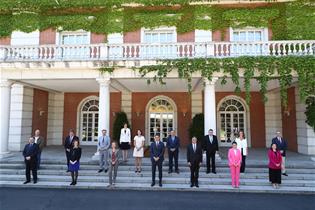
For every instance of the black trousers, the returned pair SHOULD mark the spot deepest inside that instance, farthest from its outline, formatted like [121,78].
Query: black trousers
[171,156]
[68,158]
[194,173]
[243,163]
[159,165]
[210,155]
[31,165]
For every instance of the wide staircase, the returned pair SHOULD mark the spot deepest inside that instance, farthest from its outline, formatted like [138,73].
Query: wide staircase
[53,174]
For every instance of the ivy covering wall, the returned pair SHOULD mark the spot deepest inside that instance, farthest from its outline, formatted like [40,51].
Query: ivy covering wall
[291,20]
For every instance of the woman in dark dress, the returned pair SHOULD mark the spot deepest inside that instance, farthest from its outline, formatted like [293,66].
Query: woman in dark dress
[74,166]
[275,160]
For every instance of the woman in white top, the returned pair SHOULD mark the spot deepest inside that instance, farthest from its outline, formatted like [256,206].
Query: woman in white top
[242,146]
[138,150]
[125,141]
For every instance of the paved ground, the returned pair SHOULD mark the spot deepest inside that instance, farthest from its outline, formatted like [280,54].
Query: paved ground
[60,199]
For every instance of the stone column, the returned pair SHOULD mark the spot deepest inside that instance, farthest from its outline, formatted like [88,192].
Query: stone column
[104,103]
[104,108]
[5,95]
[210,120]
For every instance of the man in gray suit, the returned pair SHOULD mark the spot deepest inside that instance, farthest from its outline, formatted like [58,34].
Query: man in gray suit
[102,147]
[40,141]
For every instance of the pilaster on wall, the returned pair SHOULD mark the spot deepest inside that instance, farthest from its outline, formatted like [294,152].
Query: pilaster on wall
[126,99]
[273,117]
[55,118]
[305,134]
[20,116]
[196,103]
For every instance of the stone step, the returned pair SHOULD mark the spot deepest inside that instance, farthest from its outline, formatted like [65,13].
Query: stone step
[171,187]
[148,168]
[166,180]
[165,174]
[182,163]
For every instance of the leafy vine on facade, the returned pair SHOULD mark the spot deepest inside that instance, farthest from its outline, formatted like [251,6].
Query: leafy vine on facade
[261,68]
[292,20]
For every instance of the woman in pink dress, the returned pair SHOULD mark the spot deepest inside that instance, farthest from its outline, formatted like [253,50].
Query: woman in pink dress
[235,160]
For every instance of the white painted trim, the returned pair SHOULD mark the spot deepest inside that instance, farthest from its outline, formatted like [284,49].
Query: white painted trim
[79,108]
[263,30]
[159,29]
[203,36]
[60,33]
[247,117]
[147,114]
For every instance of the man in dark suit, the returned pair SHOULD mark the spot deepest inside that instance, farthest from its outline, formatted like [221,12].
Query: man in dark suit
[39,140]
[69,144]
[210,145]
[173,147]
[157,158]
[194,160]
[30,158]
[282,146]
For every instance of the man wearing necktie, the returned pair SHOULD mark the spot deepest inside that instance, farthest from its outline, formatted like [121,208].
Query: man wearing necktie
[282,147]
[102,148]
[68,145]
[210,145]
[194,160]
[173,147]
[157,158]
[30,158]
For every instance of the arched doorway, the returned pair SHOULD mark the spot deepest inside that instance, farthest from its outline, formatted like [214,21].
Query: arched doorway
[232,117]
[88,121]
[161,118]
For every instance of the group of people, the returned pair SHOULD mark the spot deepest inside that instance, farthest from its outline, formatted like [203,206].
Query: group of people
[110,155]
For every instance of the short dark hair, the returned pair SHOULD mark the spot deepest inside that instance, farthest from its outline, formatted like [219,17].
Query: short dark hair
[273,144]
[76,140]
[71,130]
[210,129]
[234,142]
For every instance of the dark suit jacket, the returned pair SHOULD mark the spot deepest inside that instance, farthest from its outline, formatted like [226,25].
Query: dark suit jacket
[68,144]
[157,151]
[280,146]
[194,157]
[31,151]
[170,144]
[75,154]
[211,148]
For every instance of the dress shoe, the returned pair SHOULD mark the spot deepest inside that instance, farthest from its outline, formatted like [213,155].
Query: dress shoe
[106,170]
[285,174]
[35,181]
[160,184]
[71,183]
[152,184]
[208,172]
[214,172]
[197,185]
[177,171]
[99,171]
[74,183]
[26,182]
[191,185]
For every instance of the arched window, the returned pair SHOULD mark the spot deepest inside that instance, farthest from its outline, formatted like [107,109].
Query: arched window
[232,119]
[89,121]
[161,117]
